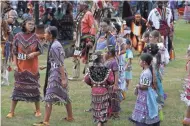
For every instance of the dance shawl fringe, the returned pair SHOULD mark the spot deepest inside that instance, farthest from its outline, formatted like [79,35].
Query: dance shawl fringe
[100,105]
[100,98]
[26,87]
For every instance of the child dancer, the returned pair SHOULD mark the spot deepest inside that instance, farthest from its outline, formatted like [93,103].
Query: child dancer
[56,88]
[26,50]
[145,112]
[112,63]
[186,96]
[145,38]
[155,37]
[157,78]
[99,78]
[129,58]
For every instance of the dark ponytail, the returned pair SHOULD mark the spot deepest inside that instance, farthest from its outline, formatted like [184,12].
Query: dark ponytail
[52,30]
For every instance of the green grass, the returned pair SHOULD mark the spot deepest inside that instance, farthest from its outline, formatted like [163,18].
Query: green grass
[80,93]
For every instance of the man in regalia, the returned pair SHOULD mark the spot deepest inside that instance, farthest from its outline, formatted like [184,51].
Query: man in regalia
[160,18]
[6,44]
[85,37]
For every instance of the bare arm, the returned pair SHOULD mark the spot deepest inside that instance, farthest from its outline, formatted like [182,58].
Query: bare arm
[129,63]
[37,53]
[63,77]
[116,78]
[15,59]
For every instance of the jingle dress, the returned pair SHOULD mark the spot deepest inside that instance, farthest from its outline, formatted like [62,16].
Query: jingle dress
[88,30]
[55,92]
[158,78]
[26,86]
[115,95]
[100,78]
[145,112]
[185,96]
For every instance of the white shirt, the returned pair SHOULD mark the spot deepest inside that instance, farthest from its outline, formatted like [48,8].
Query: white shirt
[155,17]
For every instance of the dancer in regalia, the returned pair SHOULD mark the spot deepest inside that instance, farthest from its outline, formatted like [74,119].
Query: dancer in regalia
[185,96]
[146,111]
[160,18]
[138,26]
[6,45]
[26,49]
[99,78]
[111,62]
[85,38]
[106,37]
[121,57]
[9,17]
[56,83]
[128,66]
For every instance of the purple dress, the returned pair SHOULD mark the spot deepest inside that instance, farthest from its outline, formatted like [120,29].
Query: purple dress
[141,115]
[115,96]
[55,92]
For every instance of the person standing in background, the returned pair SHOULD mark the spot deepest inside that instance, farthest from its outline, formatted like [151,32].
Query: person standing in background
[173,7]
[187,11]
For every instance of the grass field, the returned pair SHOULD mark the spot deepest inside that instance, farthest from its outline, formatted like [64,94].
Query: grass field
[80,93]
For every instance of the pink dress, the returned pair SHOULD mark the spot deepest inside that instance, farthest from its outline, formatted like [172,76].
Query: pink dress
[100,78]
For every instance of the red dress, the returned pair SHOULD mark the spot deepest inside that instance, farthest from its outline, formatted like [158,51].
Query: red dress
[26,86]
[100,79]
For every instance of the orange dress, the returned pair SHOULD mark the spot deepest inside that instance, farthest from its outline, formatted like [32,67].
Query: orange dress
[27,75]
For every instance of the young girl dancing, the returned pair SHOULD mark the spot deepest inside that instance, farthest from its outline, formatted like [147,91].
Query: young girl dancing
[99,78]
[112,63]
[145,112]
[56,86]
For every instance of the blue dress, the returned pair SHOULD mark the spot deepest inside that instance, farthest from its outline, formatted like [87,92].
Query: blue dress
[128,71]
